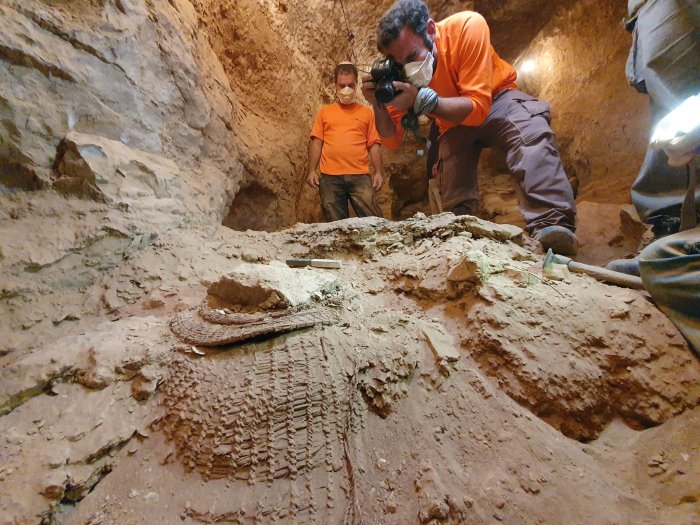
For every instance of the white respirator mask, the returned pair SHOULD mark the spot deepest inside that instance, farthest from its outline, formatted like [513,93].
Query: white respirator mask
[420,73]
[346,96]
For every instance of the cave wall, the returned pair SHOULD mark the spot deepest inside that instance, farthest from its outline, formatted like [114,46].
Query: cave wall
[278,57]
[602,124]
[134,71]
[229,89]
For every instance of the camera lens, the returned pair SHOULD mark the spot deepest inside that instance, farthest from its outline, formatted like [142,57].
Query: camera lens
[385,91]
[381,68]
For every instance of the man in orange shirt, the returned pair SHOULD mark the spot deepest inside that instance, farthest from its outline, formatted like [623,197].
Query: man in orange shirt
[456,78]
[343,135]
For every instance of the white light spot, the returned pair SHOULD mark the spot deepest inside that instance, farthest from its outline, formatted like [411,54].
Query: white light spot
[528,66]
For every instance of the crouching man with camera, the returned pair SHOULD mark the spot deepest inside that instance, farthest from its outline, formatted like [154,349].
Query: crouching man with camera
[453,75]
[344,138]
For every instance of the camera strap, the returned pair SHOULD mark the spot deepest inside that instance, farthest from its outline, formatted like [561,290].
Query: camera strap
[410,122]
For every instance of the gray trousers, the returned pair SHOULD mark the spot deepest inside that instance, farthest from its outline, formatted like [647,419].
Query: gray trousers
[519,125]
[659,189]
[670,270]
[665,63]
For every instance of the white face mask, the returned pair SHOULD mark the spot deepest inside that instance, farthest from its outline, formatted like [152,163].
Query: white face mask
[419,73]
[346,96]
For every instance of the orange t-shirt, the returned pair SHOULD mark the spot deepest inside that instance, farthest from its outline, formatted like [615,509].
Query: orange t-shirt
[347,133]
[467,66]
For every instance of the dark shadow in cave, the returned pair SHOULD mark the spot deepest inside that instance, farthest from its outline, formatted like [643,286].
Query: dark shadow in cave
[254,208]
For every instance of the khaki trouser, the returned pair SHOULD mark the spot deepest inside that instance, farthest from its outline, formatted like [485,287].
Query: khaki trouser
[518,124]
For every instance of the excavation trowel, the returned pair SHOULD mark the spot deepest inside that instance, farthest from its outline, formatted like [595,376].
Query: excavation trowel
[315,263]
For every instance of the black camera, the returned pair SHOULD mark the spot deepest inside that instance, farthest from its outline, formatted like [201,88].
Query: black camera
[384,72]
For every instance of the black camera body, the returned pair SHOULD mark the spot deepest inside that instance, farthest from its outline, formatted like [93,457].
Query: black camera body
[384,72]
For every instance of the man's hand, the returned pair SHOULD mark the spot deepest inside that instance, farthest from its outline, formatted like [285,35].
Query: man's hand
[407,97]
[368,88]
[315,148]
[313,180]
[377,181]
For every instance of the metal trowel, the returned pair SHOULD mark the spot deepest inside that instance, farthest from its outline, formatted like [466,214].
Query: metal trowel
[315,263]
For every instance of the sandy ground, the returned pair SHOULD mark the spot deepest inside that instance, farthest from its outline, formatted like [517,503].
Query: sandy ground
[449,382]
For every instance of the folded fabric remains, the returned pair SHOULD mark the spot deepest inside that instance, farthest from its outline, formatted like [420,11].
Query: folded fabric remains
[204,326]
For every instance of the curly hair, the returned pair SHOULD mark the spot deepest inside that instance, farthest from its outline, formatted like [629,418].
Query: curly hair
[404,13]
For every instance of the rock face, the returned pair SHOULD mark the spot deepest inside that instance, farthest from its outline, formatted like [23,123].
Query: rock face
[135,72]
[156,366]
[108,171]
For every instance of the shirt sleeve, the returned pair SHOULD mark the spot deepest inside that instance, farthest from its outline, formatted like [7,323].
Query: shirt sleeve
[474,63]
[317,130]
[372,133]
[394,142]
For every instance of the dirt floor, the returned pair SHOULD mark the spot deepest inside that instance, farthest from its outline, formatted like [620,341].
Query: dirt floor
[437,377]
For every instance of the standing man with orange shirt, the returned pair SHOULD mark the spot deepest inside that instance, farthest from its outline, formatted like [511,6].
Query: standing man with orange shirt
[344,138]
[456,78]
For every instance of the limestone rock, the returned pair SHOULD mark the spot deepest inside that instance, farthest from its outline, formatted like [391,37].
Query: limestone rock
[442,344]
[473,268]
[382,376]
[134,72]
[144,385]
[271,286]
[107,170]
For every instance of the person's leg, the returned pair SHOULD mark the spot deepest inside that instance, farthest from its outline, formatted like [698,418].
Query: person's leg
[362,195]
[434,197]
[519,124]
[668,60]
[664,62]
[659,190]
[655,194]
[334,197]
[457,181]
[668,53]
[670,271]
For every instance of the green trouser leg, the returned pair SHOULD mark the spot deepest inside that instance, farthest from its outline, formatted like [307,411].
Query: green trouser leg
[670,270]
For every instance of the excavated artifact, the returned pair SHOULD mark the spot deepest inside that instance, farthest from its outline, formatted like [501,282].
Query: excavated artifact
[276,421]
[278,417]
[205,326]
